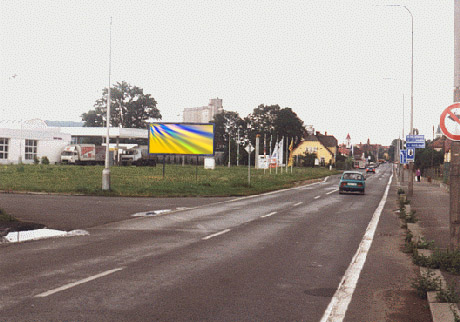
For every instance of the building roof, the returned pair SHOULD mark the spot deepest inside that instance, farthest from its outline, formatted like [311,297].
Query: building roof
[328,141]
[126,133]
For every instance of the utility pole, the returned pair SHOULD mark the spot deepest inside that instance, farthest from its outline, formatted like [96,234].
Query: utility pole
[454,211]
[411,164]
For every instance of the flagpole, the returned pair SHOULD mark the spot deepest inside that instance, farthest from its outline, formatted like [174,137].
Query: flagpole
[286,157]
[277,155]
[265,152]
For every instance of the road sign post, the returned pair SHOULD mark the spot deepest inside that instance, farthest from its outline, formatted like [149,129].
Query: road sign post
[450,127]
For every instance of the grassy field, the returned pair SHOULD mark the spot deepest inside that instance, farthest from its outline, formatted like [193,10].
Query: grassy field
[149,181]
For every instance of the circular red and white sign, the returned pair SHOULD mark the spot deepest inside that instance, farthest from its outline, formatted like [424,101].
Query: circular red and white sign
[450,122]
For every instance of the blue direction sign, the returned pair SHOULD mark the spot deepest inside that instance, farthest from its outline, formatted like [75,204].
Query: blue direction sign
[410,155]
[415,141]
[402,157]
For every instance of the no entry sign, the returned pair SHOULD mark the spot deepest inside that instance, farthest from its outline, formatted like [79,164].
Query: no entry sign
[450,122]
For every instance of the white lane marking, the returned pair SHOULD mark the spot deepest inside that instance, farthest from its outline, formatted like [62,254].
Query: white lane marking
[330,192]
[85,280]
[269,215]
[317,197]
[216,234]
[337,308]
[298,204]
[241,198]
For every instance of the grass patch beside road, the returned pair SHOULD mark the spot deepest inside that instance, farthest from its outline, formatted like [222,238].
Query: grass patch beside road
[149,181]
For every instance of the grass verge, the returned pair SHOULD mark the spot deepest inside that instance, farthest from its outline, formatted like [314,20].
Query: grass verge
[178,181]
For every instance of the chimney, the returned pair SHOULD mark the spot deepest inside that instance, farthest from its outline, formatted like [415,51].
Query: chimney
[325,133]
[317,133]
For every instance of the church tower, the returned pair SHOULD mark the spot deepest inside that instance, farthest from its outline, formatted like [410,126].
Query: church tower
[348,141]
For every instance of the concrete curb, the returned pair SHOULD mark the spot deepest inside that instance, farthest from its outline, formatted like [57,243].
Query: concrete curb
[440,312]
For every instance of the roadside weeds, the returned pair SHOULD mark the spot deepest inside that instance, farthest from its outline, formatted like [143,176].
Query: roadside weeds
[431,284]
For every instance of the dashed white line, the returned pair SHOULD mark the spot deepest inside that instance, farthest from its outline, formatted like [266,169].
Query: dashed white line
[298,204]
[85,280]
[317,197]
[269,215]
[216,234]
[330,192]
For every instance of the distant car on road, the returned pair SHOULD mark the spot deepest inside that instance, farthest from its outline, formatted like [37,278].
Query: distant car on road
[352,181]
[370,169]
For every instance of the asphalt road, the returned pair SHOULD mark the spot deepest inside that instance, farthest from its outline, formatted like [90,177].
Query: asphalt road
[274,257]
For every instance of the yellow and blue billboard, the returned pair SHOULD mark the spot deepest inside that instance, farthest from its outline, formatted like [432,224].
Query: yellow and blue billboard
[181,138]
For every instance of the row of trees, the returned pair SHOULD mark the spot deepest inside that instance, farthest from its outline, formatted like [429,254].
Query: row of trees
[131,108]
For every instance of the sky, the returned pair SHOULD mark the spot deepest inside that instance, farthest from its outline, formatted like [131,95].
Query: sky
[343,66]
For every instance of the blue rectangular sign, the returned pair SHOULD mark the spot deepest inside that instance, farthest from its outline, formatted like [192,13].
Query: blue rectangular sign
[402,157]
[410,154]
[415,141]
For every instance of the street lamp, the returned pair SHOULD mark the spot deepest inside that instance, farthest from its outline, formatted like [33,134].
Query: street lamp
[411,164]
[106,171]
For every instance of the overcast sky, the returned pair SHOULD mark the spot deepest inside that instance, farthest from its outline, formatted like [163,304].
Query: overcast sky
[342,66]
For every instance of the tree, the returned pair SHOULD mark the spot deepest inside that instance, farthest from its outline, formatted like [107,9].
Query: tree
[393,150]
[129,108]
[427,158]
[226,126]
[288,124]
[274,122]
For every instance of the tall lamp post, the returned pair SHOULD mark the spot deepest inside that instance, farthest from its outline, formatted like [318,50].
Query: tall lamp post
[106,171]
[411,164]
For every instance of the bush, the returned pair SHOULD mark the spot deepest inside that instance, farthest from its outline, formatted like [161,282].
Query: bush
[36,160]
[448,296]
[45,160]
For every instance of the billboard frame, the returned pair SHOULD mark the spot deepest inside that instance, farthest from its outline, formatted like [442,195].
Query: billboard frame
[182,123]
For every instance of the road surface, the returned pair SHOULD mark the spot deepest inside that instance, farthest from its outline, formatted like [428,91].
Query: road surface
[279,256]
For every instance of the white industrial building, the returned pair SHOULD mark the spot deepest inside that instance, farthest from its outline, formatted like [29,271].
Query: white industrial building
[23,141]
[203,114]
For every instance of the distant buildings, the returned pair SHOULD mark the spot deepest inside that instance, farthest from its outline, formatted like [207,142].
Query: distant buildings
[322,145]
[203,114]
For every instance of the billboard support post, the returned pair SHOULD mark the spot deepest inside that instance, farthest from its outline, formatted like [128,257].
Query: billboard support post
[196,169]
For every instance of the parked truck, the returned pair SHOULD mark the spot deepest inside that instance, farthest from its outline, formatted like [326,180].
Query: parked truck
[138,156]
[83,154]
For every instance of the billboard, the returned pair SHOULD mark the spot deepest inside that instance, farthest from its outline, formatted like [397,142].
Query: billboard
[181,138]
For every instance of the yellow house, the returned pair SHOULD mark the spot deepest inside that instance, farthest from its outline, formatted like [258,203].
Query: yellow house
[324,146]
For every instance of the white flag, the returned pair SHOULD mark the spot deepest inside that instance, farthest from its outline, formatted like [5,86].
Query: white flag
[275,152]
[280,152]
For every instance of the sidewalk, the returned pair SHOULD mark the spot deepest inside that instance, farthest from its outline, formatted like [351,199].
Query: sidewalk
[430,200]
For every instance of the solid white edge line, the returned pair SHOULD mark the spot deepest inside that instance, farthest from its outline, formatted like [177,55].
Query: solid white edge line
[270,214]
[85,280]
[337,308]
[216,234]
